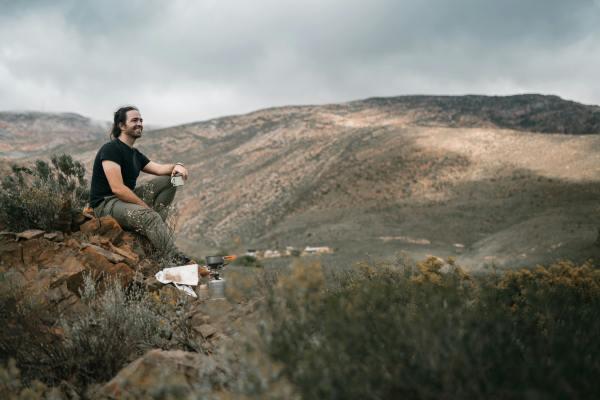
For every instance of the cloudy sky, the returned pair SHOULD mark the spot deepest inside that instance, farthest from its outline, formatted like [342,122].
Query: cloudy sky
[186,60]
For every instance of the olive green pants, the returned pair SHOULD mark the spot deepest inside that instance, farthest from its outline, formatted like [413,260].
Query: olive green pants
[158,193]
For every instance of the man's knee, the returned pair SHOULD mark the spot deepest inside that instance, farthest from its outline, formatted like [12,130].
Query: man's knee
[145,219]
[162,183]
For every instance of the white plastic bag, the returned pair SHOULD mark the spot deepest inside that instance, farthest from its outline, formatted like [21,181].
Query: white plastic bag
[182,277]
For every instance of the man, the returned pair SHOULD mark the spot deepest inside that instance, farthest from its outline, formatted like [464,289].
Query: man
[113,190]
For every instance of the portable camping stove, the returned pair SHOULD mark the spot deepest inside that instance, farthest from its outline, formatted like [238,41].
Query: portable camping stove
[216,284]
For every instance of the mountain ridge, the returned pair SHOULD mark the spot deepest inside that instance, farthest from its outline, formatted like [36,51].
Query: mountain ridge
[347,175]
[25,133]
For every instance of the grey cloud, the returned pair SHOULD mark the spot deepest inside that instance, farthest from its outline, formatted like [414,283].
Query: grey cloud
[188,60]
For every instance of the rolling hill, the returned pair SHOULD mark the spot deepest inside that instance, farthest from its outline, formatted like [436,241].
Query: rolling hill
[509,181]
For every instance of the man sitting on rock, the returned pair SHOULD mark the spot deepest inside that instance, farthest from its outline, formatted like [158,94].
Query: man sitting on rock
[113,190]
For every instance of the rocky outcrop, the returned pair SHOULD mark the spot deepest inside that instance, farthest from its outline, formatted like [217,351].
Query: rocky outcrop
[52,264]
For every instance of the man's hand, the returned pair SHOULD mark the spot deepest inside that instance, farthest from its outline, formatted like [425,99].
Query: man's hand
[165,169]
[181,170]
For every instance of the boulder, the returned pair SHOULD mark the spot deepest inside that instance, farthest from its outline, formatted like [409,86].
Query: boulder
[105,226]
[176,372]
[69,272]
[109,255]
[102,267]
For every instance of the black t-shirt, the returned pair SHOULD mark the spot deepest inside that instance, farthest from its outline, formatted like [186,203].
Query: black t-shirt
[130,160]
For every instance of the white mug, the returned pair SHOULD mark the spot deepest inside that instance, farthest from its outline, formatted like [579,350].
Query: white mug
[177,180]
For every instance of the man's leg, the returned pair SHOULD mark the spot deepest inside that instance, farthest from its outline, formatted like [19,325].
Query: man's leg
[142,220]
[158,193]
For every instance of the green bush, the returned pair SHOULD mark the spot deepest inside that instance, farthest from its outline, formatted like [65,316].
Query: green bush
[248,261]
[419,333]
[45,196]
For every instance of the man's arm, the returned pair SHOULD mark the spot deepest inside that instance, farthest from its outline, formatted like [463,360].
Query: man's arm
[112,170]
[165,169]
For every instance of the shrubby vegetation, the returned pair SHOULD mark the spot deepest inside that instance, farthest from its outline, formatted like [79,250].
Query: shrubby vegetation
[45,196]
[403,332]
[116,327]
[416,331]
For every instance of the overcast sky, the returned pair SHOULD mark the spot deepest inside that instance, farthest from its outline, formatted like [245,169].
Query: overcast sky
[183,61]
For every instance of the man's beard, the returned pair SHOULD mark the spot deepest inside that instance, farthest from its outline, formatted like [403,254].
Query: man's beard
[134,133]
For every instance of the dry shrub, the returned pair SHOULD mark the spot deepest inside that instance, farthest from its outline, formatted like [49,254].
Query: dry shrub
[89,347]
[119,326]
[391,332]
[46,196]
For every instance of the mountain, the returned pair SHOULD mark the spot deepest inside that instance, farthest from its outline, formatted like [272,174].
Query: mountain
[501,180]
[29,133]
[470,176]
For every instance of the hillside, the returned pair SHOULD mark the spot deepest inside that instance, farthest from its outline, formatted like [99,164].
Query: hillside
[381,176]
[26,134]
[506,180]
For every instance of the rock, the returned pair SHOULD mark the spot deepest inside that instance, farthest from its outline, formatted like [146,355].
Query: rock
[206,330]
[94,260]
[88,212]
[122,272]
[127,237]
[102,267]
[55,236]
[11,252]
[131,258]
[68,271]
[77,220]
[109,255]
[14,278]
[105,226]
[38,251]
[178,370]
[72,243]
[147,267]
[64,300]
[30,273]
[99,240]
[30,234]
[90,226]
